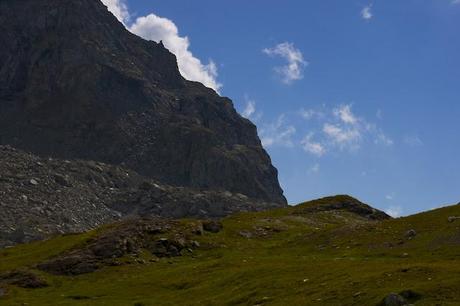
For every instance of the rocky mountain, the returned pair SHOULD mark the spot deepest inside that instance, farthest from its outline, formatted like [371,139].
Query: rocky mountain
[43,197]
[75,84]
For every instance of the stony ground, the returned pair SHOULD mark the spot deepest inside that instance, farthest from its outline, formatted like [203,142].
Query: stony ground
[334,251]
[40,197]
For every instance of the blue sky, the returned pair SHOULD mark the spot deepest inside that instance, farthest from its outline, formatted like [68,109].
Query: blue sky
[352,97]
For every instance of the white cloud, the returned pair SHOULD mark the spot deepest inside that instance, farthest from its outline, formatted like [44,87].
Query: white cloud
[153,27]
[333,129]
[341,129]
[293,71]
[119,9]
[313,147]
[345,114]
[343,137]
[389,197]
[455,1]
[394,211]
[308,114]
[366,12]
[277,133]
[157,28]
[250,109]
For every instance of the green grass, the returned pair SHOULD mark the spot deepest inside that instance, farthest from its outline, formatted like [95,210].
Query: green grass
[324,258]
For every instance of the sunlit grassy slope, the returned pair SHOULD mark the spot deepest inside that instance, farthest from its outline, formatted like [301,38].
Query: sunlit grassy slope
[292,256]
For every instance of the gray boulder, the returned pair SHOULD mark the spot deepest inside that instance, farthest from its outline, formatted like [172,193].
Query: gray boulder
[410,234]
[394,299]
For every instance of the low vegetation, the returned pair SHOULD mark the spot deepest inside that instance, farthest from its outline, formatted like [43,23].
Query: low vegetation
[312,254]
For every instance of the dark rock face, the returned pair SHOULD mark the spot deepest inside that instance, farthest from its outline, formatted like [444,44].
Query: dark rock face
[74,83]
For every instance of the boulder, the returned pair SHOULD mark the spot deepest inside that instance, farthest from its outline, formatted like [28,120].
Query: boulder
[167,248]
[410,234]
[410,295]
[452,219]
[62,180]
[246,234]
[212,226]
[393,299]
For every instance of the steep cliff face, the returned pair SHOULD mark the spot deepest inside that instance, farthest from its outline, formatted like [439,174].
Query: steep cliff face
[74,83]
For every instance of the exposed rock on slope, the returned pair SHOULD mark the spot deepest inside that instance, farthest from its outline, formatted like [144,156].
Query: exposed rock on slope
[342,203]
[74,83]
[40,197]
[162,238]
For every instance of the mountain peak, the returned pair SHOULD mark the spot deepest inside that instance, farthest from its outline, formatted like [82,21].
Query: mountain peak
[75,84]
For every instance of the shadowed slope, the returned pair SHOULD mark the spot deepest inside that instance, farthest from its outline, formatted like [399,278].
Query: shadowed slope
[74,83]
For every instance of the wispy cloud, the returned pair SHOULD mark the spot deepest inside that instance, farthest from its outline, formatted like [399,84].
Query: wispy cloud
[343,137]
[312,147]
[315,168]
[293,70]
[366,12]
[153,27]
[394,211]
[249,109]
[383,139]
[390,197]
[413,141]
[278,133]
[345,114]
[309,114]
[341,130]
[322,131]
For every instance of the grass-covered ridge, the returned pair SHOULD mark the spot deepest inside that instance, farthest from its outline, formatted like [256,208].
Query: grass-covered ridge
[312,254]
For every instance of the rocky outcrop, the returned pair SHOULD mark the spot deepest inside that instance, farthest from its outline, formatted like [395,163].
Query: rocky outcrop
[41,197]
[23,279]
[162,238]
[75,84]
[342,203]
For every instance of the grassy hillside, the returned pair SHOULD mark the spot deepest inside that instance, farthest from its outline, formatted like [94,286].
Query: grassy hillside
[318,253]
